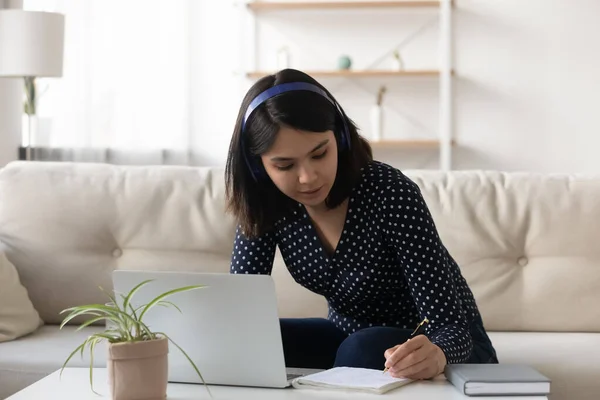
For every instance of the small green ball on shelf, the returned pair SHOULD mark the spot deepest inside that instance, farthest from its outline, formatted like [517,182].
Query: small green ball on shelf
[344,62]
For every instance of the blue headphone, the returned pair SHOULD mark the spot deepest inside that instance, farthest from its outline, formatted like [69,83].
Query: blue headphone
[255,170]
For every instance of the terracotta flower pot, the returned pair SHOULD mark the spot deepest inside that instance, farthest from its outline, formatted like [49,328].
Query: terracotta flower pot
[138,370]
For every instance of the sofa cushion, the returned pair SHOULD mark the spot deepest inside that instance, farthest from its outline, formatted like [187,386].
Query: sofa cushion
[571,360]
[32,357]
[18,317]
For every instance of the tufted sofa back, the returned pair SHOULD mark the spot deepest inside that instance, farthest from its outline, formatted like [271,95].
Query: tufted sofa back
[528,244]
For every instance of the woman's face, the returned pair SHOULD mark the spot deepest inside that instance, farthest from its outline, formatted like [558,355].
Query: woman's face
[303,164]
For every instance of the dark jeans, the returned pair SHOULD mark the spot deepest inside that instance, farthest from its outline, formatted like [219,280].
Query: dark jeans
[318,343]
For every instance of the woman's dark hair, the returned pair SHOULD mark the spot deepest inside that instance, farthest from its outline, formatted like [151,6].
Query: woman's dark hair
[258,204]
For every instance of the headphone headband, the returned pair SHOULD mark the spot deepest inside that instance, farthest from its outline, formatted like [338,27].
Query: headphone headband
[279,89]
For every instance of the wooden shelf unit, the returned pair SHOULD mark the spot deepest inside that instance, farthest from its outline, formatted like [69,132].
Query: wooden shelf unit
[444,143]
[357,74]
[319,5]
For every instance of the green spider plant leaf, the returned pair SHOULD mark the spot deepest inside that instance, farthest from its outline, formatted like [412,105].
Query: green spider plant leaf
[167,294]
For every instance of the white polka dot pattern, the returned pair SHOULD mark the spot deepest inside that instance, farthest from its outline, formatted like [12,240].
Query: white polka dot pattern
[389,268]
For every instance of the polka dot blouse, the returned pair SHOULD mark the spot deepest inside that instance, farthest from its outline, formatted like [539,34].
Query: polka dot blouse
[389,268]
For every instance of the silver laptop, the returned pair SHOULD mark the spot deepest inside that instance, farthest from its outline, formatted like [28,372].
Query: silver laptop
[230,328]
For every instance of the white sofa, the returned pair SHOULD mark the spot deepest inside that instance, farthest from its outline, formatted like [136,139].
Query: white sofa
[528,244]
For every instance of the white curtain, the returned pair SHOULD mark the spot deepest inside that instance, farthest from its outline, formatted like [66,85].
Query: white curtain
[125,96]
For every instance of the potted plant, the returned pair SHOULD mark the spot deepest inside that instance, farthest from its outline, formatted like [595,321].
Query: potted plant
[137,361]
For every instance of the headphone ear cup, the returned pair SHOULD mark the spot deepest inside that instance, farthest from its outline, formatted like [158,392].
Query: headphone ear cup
[341,140]
[258,170]
[344,132]
[345,139]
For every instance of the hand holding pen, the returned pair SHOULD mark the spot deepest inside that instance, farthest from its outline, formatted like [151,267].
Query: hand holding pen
[417,358]
[419,330]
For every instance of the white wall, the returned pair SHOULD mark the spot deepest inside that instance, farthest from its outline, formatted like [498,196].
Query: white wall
[10,109]
[526,85]
[528,91]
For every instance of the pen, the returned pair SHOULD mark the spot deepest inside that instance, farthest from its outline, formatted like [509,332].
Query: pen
[418,331]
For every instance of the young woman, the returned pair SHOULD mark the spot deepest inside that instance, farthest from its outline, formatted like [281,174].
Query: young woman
[352,229]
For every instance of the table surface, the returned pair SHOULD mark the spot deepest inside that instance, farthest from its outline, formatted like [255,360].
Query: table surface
[75,385]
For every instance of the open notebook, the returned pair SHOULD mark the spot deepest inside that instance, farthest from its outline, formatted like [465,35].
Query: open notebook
[351,379]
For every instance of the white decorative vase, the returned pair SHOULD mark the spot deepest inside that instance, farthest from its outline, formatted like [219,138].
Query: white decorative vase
[29,128]
[376,122]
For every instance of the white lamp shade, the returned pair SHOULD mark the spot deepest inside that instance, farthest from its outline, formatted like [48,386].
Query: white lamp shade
[31,43]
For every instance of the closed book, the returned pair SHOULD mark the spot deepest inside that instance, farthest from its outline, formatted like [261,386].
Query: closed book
[497,379]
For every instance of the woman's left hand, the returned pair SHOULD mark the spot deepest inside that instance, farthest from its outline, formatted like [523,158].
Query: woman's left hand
[417,358]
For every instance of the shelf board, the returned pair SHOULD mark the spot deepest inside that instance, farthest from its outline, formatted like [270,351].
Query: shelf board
[351,73]
[401,143]
[298,5]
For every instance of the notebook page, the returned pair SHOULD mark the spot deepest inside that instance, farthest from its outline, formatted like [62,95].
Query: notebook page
[352,378]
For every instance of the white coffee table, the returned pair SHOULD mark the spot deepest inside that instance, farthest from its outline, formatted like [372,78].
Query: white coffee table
[74,385]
